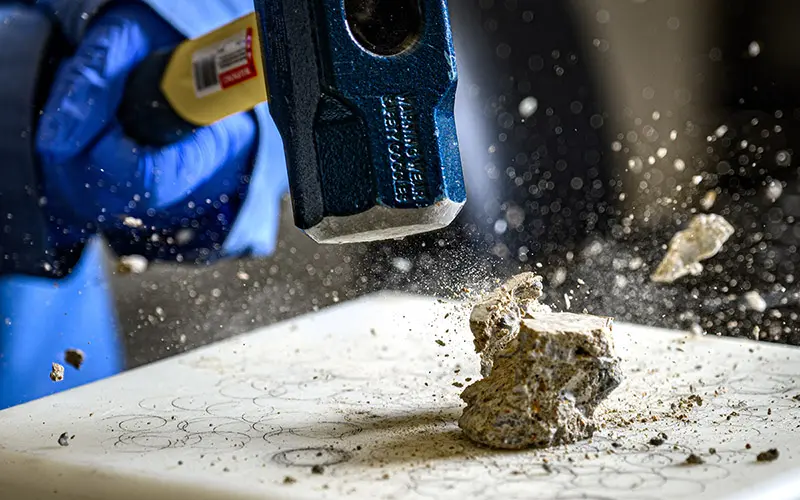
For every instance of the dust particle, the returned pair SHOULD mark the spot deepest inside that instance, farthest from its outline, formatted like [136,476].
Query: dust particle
[289,480]
[63,439]
[440,342]
[656,441]
[712,451]
[318,469]
[694,460]
[768,456]
[74,358]
[133,222]
[57,373]
[385,477]
[458,384]
[747,446]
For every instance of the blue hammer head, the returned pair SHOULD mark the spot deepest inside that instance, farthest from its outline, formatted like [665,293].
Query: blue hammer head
[363,93]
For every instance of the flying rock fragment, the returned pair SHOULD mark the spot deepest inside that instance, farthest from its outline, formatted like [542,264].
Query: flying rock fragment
[544,372]
[703,239]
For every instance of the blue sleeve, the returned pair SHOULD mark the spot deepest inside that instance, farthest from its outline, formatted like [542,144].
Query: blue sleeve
[245,225]
[27,40]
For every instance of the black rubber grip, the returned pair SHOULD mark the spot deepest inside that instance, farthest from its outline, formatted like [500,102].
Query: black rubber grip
[145,113]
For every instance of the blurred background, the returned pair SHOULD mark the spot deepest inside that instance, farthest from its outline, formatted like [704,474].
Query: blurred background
[591,131]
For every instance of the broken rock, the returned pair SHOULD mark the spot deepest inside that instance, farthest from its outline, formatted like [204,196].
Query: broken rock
[702,240]
[545,373]
[495,321]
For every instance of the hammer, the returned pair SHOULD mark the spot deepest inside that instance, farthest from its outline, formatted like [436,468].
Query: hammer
[361,91]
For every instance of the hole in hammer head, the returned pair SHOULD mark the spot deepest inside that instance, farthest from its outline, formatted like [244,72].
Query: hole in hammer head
[384,27]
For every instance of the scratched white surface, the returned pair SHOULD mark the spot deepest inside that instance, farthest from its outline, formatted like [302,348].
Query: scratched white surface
[364,390]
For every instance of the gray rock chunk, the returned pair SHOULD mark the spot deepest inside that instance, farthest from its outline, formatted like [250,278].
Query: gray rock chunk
[548,373]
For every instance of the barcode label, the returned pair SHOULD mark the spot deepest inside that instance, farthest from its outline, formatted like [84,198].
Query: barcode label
[224,65]
[206,80]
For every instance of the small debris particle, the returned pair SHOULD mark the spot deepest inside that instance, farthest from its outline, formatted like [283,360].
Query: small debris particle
[616,445]
[769,411]
[358,447]
[289,480]
[318,469]
[708,200]
[180,462]
[754,301]
[225,469]
[694,460]
[133,222]
[132,264]
[74,358]
[547,468]
[768,456]
[319,453]
[712,451]
[747,446]
[440,342]
[458,384]
[385,477]
[63,439]
[57,373]
[468,379]
[656,441]
[797,397]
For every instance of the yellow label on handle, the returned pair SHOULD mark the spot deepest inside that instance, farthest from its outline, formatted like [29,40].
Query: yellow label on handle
[217,75]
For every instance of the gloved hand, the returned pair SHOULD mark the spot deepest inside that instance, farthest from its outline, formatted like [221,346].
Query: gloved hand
[93,174]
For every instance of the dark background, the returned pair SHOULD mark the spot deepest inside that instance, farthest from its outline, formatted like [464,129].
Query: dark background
[571,191]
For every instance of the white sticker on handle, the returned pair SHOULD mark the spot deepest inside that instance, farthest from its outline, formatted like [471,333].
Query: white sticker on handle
[224,65]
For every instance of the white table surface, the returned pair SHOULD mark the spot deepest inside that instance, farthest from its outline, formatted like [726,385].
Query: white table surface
[364,390]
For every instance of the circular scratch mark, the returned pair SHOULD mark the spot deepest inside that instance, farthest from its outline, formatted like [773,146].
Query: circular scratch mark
[193,403]
[143,423]
[633,481]
[159,404]
[256,416]
[215,424]
[309,457]
[705,472]
[218,440]
[146,442]
[327,430]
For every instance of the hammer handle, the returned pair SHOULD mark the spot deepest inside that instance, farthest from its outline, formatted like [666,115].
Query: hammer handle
[145,112]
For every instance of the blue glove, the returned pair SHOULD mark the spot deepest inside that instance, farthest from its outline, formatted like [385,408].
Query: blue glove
[93,174]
